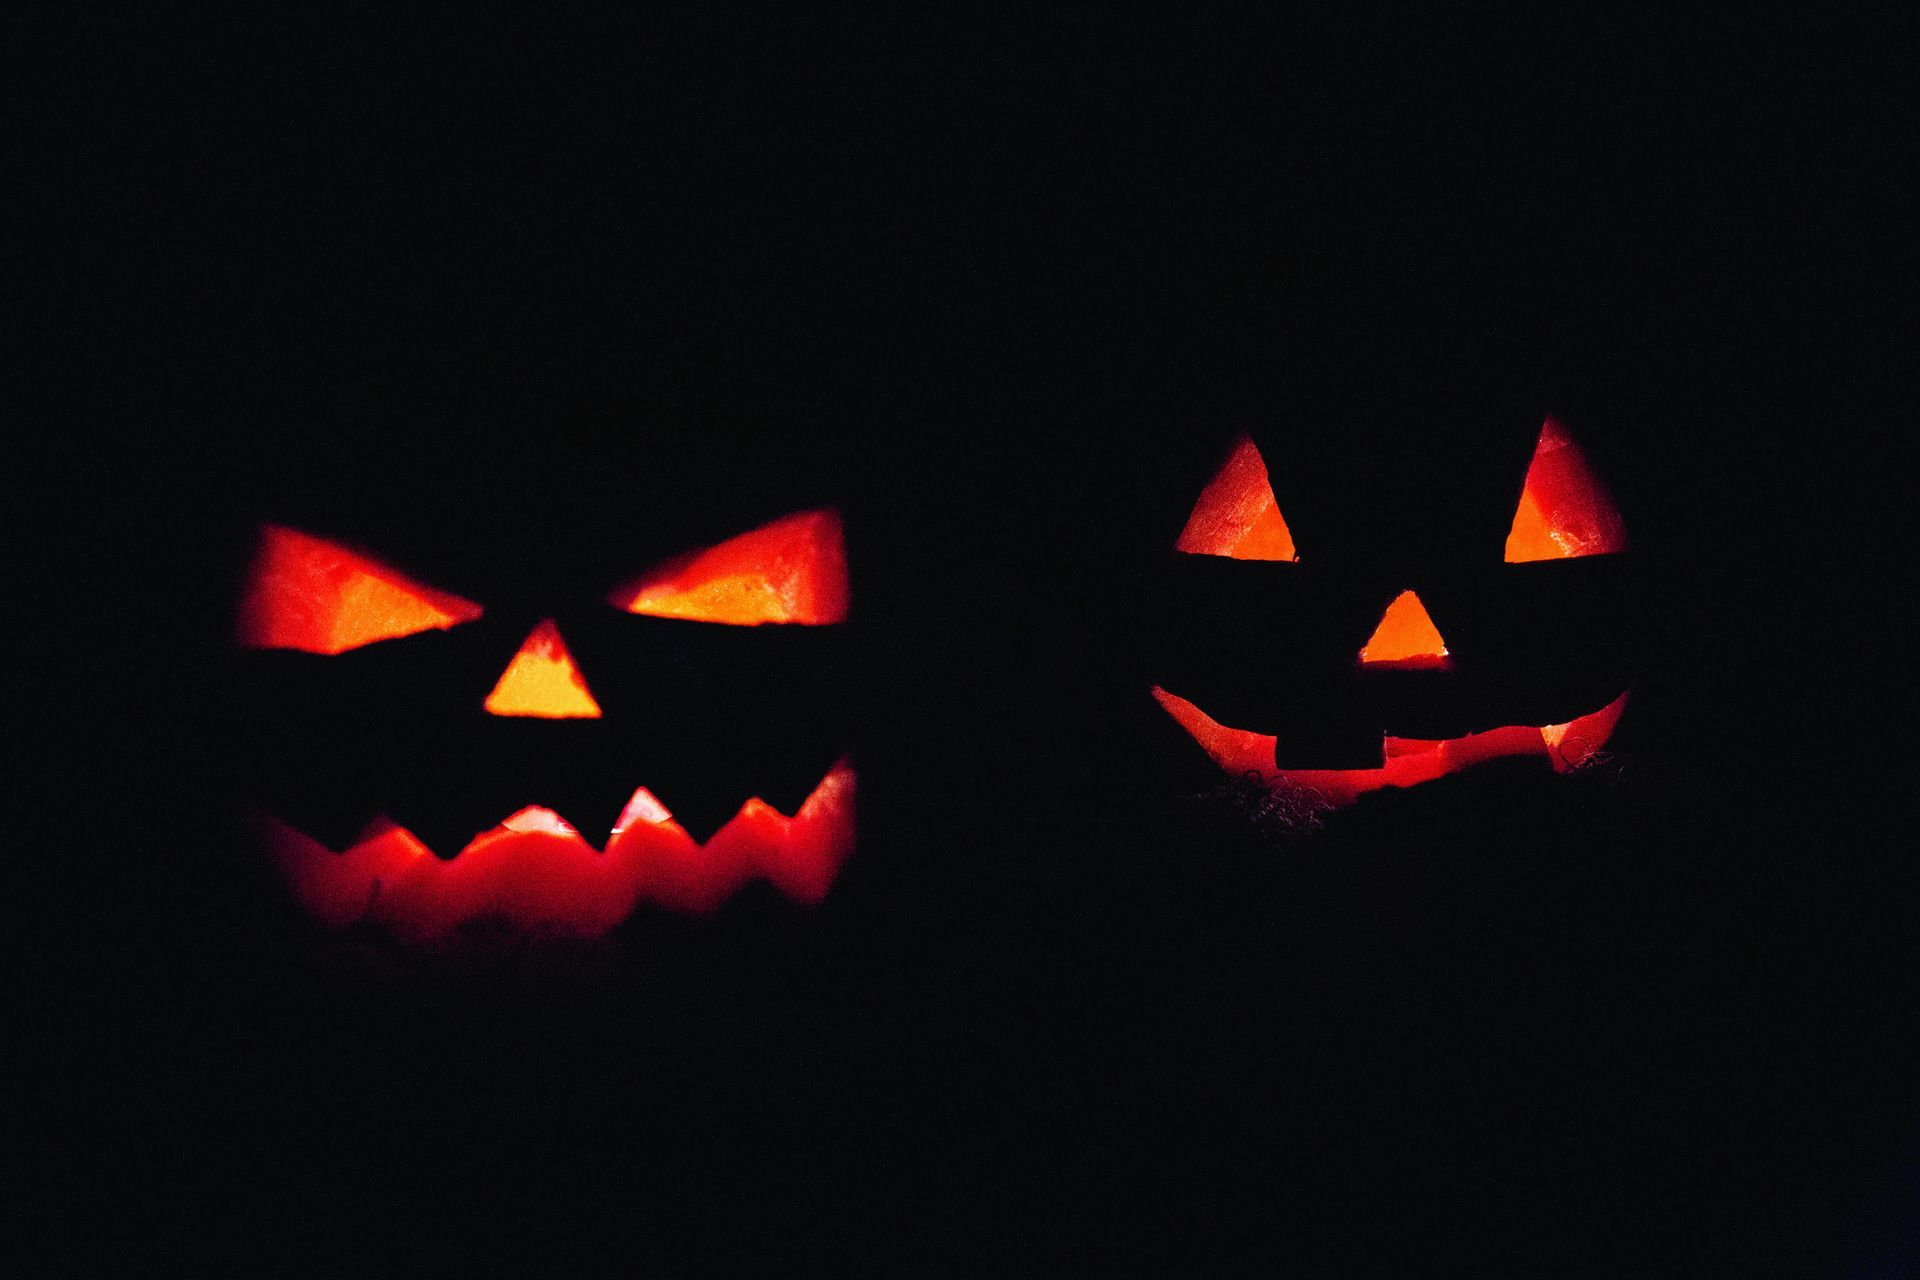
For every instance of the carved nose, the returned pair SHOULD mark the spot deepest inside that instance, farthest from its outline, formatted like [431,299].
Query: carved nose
[1406,637]
[543,681]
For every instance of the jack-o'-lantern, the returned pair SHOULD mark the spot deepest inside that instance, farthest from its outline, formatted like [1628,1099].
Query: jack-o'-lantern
[1408,645]
[430,758]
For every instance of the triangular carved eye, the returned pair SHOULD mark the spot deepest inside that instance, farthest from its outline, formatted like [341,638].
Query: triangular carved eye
[1236,515]
[308,593]
[792,570]
[1565,509]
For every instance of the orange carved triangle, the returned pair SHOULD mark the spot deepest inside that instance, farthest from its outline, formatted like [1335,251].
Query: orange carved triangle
[311,594]
[1406,636]
[792,570]
[543,681]
[1236,515]
[1565,509]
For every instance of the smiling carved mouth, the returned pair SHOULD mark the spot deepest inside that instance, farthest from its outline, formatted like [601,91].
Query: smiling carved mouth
[541,876]
[1406,762]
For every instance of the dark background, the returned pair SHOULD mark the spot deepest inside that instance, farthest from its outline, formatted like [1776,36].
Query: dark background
[535,297]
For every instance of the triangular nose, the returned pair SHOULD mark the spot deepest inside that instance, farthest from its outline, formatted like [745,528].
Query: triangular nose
[1406,637]
[543,681]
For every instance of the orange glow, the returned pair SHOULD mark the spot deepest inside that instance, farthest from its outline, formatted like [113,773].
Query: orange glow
[543,681]
[1235,750]
[1405,762]
[1406,637]
[1565,509]
[540,876]
[792,570]
[1573,743]
[310,594]
[1236,515]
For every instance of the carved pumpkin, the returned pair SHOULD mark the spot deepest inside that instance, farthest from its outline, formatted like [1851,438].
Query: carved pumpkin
[463,799]
[1363,685]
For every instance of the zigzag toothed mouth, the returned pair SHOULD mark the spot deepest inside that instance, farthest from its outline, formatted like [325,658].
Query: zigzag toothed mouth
[539,874]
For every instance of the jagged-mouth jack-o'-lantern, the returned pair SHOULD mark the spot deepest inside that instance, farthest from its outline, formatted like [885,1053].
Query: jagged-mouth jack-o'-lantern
[430,761]
[1333,670]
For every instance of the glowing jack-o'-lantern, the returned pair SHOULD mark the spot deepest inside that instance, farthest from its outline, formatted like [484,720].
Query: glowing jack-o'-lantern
[342,638]
[1403,668]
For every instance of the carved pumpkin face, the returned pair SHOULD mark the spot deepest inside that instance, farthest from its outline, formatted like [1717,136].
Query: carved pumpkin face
[1382,674]
[437,741]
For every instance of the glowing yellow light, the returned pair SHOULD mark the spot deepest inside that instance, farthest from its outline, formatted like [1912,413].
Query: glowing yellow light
[543,681]
[792,570]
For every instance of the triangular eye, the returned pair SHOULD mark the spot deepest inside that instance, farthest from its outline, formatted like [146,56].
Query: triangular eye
[306,593]
[793,570]
[1565,509]
[1236,515]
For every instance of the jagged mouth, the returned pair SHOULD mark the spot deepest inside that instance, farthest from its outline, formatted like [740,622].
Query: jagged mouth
[1405,762]
[536,873]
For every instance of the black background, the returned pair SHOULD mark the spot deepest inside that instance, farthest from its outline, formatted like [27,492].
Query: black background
[536,297]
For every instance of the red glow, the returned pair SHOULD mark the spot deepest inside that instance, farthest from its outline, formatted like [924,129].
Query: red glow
[540,876]
[1236,515]
[1565,509]
[1406,637]
[317,596]
[792,570]
[543,681]
[1235,750]
[1406,762]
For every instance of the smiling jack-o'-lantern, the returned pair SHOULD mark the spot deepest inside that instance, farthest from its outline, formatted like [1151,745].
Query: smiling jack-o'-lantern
[405,789]
[1397,693]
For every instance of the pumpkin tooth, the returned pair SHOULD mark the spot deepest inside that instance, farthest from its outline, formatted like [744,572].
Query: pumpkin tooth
[377,826]
[643,807]
[536,818]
